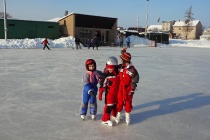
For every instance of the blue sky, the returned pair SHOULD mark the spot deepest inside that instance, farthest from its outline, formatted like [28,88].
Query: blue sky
[125,10]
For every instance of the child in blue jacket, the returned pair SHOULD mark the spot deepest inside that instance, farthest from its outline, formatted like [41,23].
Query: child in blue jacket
[90,81]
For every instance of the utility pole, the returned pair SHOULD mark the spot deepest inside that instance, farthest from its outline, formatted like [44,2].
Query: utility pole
[146,20]
[137,23]
[5,21]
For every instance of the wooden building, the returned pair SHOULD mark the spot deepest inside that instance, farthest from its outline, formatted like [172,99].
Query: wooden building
[87,26]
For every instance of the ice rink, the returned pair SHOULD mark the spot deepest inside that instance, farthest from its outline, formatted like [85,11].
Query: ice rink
[40,93]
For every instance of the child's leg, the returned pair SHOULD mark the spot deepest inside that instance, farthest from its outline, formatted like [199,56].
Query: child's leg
[84,105]
[114,110]
[107,112]
[128,103]
[93,105]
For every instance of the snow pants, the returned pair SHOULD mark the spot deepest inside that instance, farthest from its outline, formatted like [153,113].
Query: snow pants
[108,110]
[93,104]
[126,103]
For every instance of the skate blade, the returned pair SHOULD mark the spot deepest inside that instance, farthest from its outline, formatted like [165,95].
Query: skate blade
[107,124]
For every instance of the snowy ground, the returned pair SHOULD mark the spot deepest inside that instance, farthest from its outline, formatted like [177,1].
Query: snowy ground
[40,94]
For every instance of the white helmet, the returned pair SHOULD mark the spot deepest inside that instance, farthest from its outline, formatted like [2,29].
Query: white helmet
[112,61]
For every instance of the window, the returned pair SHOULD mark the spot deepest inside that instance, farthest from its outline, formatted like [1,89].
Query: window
[85,33]
[50,26]
[11,24]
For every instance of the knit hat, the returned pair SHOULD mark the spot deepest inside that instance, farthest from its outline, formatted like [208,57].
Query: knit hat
[123,50]
[126,56]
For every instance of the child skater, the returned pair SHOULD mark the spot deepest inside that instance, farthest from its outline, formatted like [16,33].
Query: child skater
[89,43]
[109,84]
[90,81]
[129,78]
[46,43]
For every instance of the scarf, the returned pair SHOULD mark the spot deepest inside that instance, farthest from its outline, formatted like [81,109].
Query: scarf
[92,75]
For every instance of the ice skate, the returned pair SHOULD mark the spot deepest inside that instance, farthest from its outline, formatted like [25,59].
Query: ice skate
[108,123]
[82,117]
[118,117]
[113,118]
[127,118]
[93,117]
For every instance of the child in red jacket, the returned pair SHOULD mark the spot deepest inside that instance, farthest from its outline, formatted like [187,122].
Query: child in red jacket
[129,78]
[46,43]
[109,84]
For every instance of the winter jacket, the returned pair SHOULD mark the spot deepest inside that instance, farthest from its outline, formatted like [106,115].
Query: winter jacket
[88,85]
[45,42]
[110,84]
[129,78]
[77,40]
[128,39]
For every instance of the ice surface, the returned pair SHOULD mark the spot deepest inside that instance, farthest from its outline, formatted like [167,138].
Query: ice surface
[40,94]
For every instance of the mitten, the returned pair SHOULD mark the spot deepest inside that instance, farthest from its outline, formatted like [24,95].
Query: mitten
[101,90]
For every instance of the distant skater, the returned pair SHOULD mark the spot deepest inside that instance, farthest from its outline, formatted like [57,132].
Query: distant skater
[46,43]
[77,42]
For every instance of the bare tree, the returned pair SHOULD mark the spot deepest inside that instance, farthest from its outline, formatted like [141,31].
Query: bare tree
[7,15]
[188,22]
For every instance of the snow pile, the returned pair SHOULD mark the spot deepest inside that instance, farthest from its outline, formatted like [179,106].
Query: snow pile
[68,42]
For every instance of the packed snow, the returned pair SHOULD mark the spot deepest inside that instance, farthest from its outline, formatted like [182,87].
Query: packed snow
[40,91]
[68,42]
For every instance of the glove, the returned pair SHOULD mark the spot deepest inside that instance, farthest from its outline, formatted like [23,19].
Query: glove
[90,92]
[101,90]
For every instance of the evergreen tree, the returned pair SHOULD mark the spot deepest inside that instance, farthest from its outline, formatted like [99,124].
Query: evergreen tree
[188,22]
[7,15]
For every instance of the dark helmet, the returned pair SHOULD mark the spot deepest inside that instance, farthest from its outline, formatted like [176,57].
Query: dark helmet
[88,62]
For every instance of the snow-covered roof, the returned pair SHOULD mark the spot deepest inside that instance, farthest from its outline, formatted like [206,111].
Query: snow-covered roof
[182,23]
[54,19]
[152,27]
[80,14]
[66,16]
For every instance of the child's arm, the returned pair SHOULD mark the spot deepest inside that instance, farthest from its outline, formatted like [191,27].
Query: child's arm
[135,79]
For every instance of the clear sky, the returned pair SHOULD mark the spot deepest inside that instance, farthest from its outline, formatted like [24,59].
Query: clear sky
[126,11]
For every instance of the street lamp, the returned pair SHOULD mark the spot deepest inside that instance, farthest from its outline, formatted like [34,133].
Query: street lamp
[5,21]
[146,20]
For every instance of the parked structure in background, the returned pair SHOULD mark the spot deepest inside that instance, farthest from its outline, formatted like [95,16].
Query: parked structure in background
[87,26]
[20,29]
[206,35]
[187,31]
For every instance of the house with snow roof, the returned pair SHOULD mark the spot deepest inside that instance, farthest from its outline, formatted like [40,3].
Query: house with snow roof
[182,30]
[154,28]
[206,35]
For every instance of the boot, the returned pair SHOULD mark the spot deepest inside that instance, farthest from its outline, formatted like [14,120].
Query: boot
[112,118]
[118,117]
[127,118]
[82,117]
[93,117]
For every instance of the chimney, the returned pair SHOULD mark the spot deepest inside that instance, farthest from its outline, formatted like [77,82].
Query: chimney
[65,13]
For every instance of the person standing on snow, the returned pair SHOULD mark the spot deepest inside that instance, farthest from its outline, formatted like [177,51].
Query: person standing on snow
[129,78]
[121,40]
[45,42]
[77,43]
[128,41]
[90,89]
[95,42]
[109,84]
[89,43]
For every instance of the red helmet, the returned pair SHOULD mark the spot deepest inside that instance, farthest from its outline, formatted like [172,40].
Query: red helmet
[88,62]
